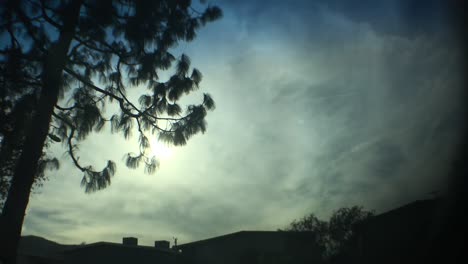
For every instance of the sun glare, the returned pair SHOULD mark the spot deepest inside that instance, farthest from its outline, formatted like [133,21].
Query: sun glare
[160,150]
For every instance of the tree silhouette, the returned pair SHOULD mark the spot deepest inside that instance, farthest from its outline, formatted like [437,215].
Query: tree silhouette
[15,122]
[342,229]
[334,236]
[312,223]
[72,59]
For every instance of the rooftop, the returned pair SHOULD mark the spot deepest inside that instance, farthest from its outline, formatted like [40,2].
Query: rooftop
[247,233]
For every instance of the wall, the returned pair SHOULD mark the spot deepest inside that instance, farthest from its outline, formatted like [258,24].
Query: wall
[255,247]
[99,254]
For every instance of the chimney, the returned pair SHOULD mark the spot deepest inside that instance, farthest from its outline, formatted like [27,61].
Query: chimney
[163,244]
[130,241]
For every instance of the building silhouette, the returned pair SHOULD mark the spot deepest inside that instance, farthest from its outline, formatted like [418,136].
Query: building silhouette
[127,252]
[254,247]
[401,235]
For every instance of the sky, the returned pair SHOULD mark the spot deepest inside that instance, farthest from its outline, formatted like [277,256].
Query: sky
[319,105]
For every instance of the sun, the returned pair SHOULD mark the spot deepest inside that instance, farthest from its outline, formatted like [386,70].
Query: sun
[160,150]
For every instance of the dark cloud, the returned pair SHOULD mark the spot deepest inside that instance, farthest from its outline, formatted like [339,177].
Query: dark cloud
[387,160]
[407,18]
[45,214]
[53,222]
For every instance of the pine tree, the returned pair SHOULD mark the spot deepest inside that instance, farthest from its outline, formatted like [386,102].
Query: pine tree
[72,59]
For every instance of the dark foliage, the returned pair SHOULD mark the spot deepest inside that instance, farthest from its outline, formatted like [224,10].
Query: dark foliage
[74,61]
[14,120]
[116,46]
[334,236]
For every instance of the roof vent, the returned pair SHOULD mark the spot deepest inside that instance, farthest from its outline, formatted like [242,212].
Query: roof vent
[130,241]
[161,244]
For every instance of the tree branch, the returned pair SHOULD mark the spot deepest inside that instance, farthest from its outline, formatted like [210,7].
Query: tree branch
[70,150]
[73,50]
[65,108]
[19,21]
[29,27]
[122,102]
[69,142]
[47,18]
[86,44]
[83,80]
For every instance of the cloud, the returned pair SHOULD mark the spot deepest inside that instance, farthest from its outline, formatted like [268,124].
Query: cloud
[404,18]
[319,105]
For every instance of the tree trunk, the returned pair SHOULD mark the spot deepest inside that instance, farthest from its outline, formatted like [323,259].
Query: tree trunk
[18,195]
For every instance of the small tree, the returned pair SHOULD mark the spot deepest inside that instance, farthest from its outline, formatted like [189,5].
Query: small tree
[342,229]
[75,57]
[313,224]
[335,236]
